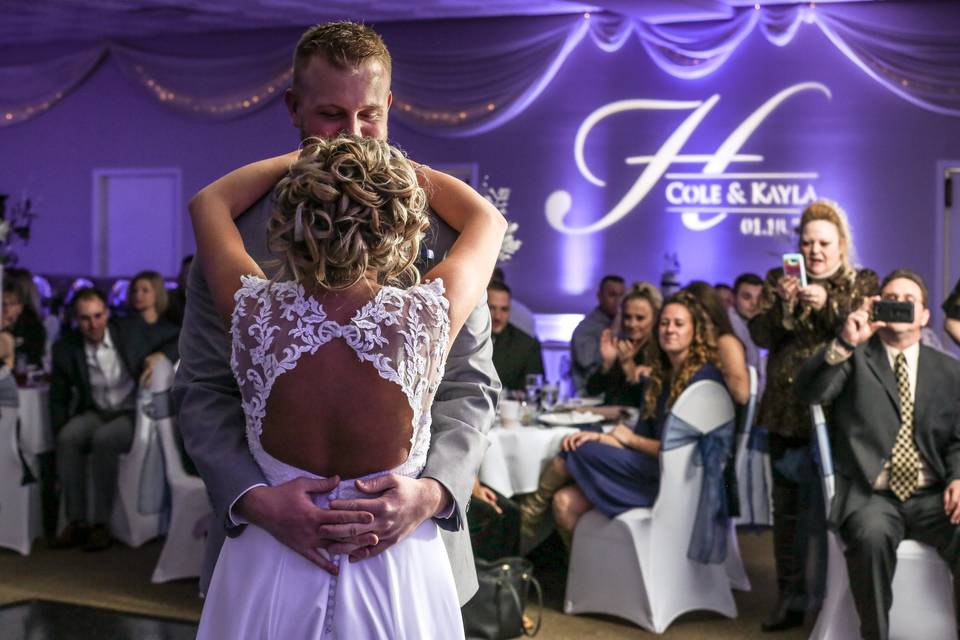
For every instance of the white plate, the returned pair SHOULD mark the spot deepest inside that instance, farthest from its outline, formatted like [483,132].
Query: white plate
[579,403]
[570,419]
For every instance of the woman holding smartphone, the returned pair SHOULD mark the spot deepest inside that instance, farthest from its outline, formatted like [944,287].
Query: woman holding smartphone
[794,322]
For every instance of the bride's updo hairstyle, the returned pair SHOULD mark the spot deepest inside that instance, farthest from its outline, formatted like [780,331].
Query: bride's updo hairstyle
[360,209]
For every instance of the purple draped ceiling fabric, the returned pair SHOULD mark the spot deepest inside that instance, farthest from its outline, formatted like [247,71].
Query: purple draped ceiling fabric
[466,77]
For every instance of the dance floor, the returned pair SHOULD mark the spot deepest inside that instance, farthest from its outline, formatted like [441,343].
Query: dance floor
[113,584]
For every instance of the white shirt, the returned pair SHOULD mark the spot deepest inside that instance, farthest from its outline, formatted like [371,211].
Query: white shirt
[912,355]
[110,384]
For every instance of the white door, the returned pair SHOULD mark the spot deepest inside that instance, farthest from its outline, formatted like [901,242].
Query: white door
[948,249]
[136,221]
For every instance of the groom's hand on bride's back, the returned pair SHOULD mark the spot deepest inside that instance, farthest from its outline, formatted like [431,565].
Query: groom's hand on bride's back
[288,513]
[399,505]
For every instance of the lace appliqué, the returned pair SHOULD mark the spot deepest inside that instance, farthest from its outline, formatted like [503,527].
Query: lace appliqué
[403,333]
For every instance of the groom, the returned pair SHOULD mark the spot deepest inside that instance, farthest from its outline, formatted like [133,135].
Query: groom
[341,84]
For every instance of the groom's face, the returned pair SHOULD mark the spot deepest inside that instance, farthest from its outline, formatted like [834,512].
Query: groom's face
[329,100]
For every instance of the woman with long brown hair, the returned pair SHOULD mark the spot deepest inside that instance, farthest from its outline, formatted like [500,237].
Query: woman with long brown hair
[620,470]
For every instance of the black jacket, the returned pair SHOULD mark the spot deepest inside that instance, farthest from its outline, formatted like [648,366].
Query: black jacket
[865,416]
[70,392]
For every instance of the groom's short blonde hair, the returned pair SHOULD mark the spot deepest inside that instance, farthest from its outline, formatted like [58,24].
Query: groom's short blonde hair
[345,45]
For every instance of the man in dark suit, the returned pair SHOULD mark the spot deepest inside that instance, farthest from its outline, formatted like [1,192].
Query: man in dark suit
[515,354]
[93,393]
[896,433]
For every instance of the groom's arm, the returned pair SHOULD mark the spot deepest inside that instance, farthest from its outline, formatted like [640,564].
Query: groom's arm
[211,418]
[463,412]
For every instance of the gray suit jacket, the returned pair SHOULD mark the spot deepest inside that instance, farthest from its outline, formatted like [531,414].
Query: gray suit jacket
[212,423]
[865,416]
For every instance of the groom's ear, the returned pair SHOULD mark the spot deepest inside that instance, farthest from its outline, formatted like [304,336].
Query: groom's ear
[292,100]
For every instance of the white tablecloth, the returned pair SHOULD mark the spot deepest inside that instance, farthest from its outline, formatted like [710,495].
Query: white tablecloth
[36,433]
[517,455]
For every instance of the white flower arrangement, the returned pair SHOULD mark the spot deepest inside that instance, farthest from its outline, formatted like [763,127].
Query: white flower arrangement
[17,220]
[500,198]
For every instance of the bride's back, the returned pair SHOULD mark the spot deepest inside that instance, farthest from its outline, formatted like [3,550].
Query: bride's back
[338,384]
[334,414]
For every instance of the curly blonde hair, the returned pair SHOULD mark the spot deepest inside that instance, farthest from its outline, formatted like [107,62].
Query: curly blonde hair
[361,209]
[703,350]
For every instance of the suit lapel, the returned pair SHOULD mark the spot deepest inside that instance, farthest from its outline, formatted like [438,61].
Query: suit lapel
[878,363]
[927,384]
[80,362]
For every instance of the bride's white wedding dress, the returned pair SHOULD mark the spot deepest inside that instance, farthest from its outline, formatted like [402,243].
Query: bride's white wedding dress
[263,589]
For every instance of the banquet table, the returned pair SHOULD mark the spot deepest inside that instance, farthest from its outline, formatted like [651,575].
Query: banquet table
[517,455]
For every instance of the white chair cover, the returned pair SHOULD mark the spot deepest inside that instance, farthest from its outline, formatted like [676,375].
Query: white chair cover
[128,522]
[20,519]
[643,573]
[923,604]
[754,475]
[191,514]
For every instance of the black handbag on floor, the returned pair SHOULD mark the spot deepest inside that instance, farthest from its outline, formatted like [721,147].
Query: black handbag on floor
[496,611]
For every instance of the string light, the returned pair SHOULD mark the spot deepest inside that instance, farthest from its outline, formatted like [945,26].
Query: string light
[216,106]
[448,117]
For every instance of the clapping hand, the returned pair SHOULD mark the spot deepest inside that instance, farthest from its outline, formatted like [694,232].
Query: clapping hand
[608,349]
[858,328]
[637,373]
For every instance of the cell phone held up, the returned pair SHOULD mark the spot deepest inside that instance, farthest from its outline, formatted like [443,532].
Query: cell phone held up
[793,266]
[892,311]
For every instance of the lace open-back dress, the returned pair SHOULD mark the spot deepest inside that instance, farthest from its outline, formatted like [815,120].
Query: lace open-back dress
[261,588]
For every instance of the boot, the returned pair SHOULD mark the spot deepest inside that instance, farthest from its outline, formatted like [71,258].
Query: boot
[537,504]
[566,537]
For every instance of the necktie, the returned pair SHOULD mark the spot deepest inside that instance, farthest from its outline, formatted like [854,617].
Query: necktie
[905,459]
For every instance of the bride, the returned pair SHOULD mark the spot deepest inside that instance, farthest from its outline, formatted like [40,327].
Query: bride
[338,358]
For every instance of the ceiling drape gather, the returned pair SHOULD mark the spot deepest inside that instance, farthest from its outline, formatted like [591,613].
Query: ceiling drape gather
[455,78]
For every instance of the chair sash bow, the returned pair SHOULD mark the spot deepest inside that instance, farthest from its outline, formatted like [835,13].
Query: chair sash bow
[708,542]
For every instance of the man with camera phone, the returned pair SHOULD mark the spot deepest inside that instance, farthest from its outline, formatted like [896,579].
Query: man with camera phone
[895,428]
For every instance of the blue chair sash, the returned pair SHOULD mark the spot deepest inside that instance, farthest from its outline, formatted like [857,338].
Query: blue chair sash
[708,542]
[153,495]
[758,445]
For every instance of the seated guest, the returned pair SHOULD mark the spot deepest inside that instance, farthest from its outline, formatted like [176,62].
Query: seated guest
[515,354]
[730,351]
[177,298]
[147,298]
[626,358]
[21,319]
[746,298]
[618,471]
[585,343]
[951,309]
[494,523]
[520,315]
[93,393]
[726,295]
[896,450]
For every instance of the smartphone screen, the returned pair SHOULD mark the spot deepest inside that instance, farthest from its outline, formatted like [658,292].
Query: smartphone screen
[793,266]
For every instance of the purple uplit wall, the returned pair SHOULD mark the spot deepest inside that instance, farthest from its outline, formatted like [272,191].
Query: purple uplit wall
[844,137]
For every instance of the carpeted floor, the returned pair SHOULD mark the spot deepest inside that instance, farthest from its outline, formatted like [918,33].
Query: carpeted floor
[119,579]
